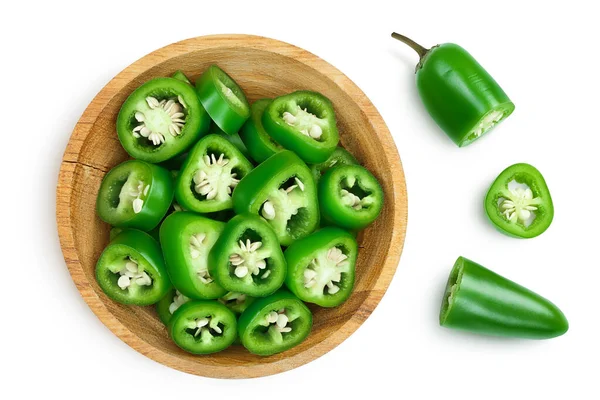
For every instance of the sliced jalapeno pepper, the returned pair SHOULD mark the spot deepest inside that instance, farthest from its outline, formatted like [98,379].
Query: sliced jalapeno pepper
[479,300]
[203,327]
[519,202]
[459,94]
[161,119]
[260,145]
[350,196]
[186,240]
[180,76]
[321,267]
[340,156]
[131,269]
[114,232]
[233,138]
[209,174]
[237,302]
[282,190]
[303,122]
[169,304]
[274,324]
[135,194]
[247,257]
[223,99]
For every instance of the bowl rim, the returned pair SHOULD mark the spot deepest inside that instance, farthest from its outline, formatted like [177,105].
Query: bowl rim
[64,197]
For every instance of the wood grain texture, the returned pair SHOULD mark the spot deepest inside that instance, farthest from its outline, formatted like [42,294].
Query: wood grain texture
[263,68]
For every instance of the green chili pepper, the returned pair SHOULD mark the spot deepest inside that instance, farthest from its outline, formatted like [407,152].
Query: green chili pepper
[519,202]
[203,327]
[282,190]
[350,196]
[131,269]
[169,304]
[462,98]
[179,75]
[237,302]
[260,145]
[274,324]
[247,257]
[114,232]
[135,194]
[209,174]
[481,301]
[161,119]
[223,99]
[234,139]
[174,164]
[186,240]
[303,122]
[340,156]
[321,267]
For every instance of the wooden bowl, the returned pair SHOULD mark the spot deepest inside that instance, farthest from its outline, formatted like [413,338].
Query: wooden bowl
[263,68]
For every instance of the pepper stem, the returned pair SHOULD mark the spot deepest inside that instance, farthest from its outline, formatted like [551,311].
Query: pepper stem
[421,51]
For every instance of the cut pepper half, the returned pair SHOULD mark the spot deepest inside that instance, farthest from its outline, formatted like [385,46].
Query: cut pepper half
[321,267]
[223,99]
[274,324]
[131,269]
[260,145]
[519,202]
[203,327]
[161,119]
[350,197]
[209,175]
[282,191]
[135,194]
[247,257]
[481,301]
[303,122]
[186,240]
[459,94]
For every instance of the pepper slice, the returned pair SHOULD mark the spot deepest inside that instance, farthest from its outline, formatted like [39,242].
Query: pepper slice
[186,240]
[234,139]
[131,269]
[223,99]
[237,302]
[161,119]
[459,94]
[135,194]
[260,145]
[209,175]
[282,190]
[303,122]
[274,324]
[169,304]
[180,76]
[340,156]
[203,327]
[519,202]
[350,196]
[321,267]
[247,257]
[479,300]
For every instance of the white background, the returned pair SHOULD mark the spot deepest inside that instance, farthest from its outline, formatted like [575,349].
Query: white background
[56,56]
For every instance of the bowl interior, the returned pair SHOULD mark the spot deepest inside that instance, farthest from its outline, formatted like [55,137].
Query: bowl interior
[261,73]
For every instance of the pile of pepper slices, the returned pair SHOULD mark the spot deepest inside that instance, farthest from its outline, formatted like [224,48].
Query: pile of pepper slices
[255,198]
